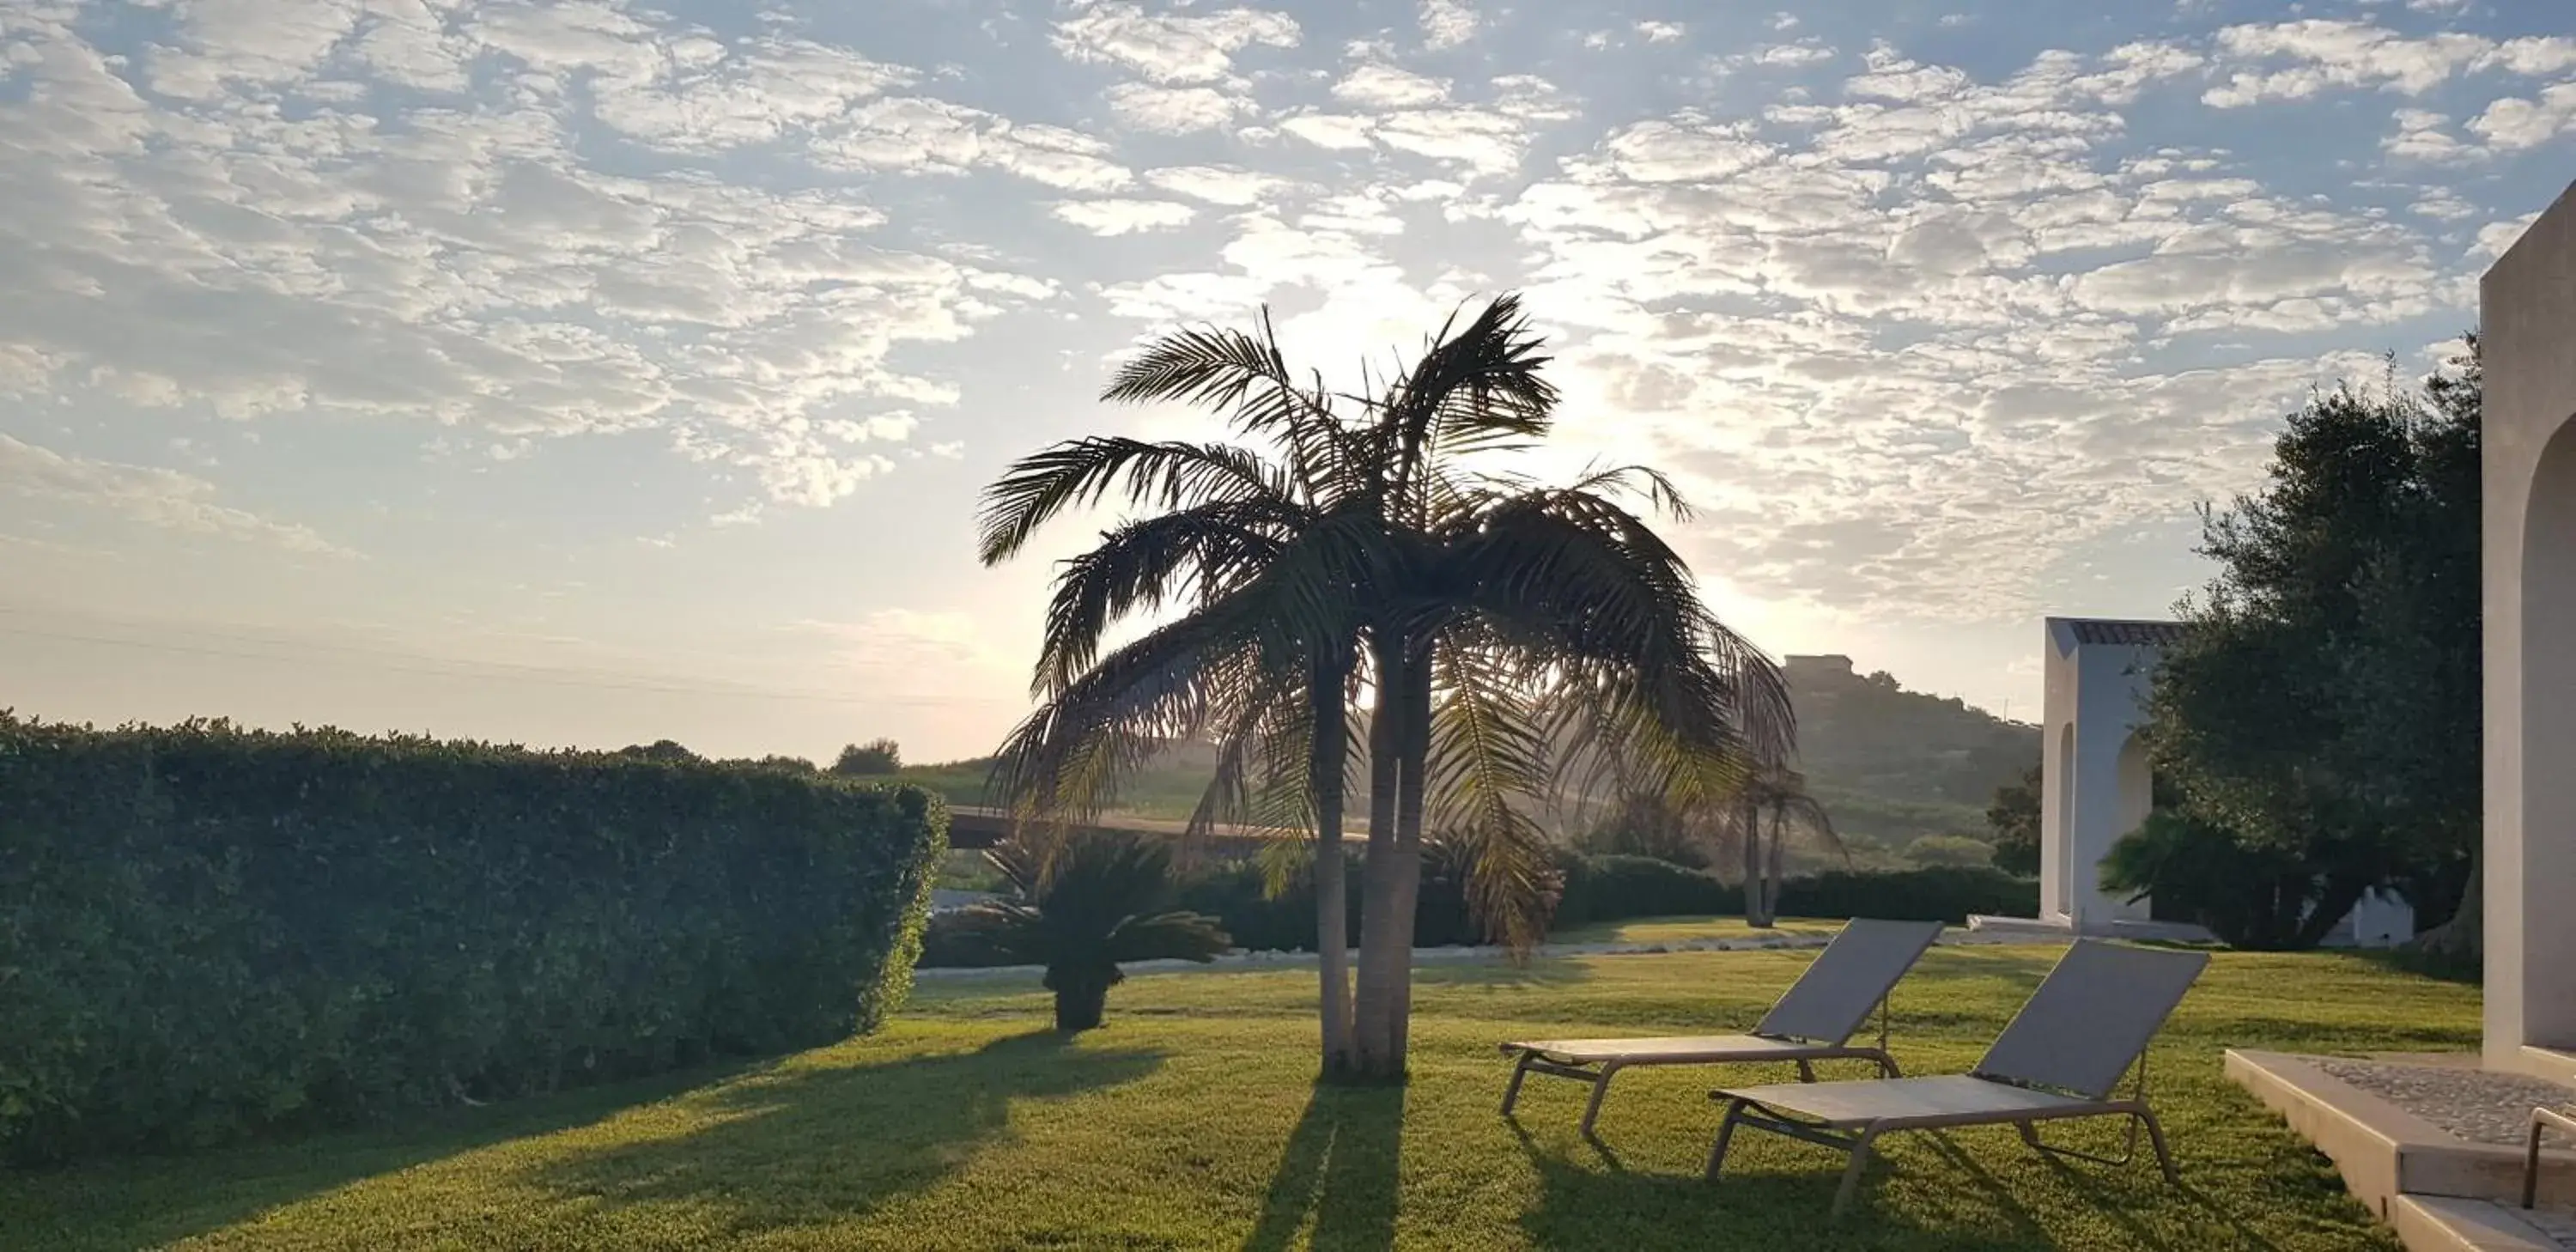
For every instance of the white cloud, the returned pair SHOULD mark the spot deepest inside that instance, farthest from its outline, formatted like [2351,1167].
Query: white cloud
[1803,52]
[1329,130]
[2327,54]
[149,495]
[1171,48]
[2421,136]
[1123,217]
[2497,238]
[1386,87]
[1175,110]
[1661,32]
[1217,184]
[1448,23]
[2513,124]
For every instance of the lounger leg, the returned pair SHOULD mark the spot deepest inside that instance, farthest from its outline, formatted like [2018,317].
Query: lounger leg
[1806,1071]
[2531,1166]
[1600,1090]
[2156,1137]
[1725,1134]
[1860,1151]
[1512,1093]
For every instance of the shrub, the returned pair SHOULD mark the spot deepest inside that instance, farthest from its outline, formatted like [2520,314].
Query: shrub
[1092,907]
[1943,893]
[207,932]
[1613,888]
[2249,895]
[1950,850]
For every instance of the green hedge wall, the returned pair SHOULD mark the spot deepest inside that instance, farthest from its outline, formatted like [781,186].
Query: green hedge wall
[1596,889]
[207,932]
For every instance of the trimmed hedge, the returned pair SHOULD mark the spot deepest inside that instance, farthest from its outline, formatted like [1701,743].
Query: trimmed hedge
[207,932]
[1596,889]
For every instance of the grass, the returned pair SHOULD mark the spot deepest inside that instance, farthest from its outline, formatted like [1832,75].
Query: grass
[1189,1122]
[1652,930]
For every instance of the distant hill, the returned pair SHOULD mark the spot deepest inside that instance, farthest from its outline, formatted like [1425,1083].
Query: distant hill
[1894,765]
[1891,765]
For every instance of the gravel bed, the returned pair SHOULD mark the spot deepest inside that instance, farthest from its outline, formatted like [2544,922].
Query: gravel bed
[1422,956]
[2475,1104]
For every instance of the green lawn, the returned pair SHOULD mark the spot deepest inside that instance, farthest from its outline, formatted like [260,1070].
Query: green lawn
[1189,1123]
[1653,930]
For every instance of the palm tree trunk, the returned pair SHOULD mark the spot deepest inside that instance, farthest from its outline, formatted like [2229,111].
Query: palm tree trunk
[1332,898]
[1776,870]
[1373,1009]
[1749,828]
[1412,768]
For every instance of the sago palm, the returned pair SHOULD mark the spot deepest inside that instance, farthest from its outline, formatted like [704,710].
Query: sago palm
[1092,905]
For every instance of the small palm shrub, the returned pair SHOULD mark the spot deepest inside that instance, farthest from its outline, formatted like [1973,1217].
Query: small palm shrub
[1097,902]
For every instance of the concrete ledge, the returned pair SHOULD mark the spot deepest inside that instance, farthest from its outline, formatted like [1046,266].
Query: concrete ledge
[2446,1224]
[2385,1152]
[2554,1064]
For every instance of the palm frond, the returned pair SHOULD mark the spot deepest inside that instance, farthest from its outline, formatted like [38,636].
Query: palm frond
[1078,473]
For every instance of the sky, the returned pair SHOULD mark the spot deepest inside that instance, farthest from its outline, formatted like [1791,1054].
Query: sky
[596,373]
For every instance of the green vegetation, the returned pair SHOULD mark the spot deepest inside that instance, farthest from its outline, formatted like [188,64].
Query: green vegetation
[1882,792]
[1185,1124]
[2324,714]
[1505,630]
[207,932]
[1097,902]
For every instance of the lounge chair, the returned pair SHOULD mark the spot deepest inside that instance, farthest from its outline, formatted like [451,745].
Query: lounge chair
[1813,1021]
[2061,1057]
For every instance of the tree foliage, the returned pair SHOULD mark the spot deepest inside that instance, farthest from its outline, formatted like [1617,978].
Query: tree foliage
[1504,635]
[873,759]
[2324,710]
[2014,819]
[1094,904]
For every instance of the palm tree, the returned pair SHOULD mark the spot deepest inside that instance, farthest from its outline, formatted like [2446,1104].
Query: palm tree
[1260,541]
[1772,804]
[1083,912]
[1487,619]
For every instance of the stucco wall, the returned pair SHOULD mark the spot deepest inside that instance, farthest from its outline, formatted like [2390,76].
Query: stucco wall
[2528,318]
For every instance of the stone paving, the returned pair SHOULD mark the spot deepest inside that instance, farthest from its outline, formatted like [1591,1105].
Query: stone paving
[2478,1105]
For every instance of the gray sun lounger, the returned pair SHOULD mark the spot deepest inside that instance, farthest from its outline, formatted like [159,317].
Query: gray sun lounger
[2061,1057]
[1813,1021]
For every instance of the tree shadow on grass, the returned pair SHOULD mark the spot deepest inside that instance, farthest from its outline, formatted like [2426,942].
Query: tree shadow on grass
[152,1200]
[1342,1163]
[816,1145]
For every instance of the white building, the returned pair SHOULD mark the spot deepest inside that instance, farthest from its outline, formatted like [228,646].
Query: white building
[2529,447]
[2094,781]
[2096,786]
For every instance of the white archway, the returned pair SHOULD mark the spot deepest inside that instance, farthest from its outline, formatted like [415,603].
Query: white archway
[2527,317]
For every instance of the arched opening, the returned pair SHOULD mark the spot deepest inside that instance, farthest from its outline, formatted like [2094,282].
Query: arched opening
[2548,747]
[2137,799]
[2057,853]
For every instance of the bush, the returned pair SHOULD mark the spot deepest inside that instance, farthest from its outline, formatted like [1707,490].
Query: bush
[206,932]
[1951,850]
[1943,893]
[1614,888]
[1596,889]
[2250,896]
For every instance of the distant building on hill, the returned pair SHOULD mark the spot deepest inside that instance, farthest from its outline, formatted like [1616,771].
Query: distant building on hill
[1829,665]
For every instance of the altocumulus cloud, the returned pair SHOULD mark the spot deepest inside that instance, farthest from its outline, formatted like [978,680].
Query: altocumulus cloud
[1917,306]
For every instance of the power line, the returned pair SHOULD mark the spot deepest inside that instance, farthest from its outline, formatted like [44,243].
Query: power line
[517,673]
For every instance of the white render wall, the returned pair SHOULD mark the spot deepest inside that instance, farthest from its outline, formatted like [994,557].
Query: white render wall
[2528,319]
[2094,782]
